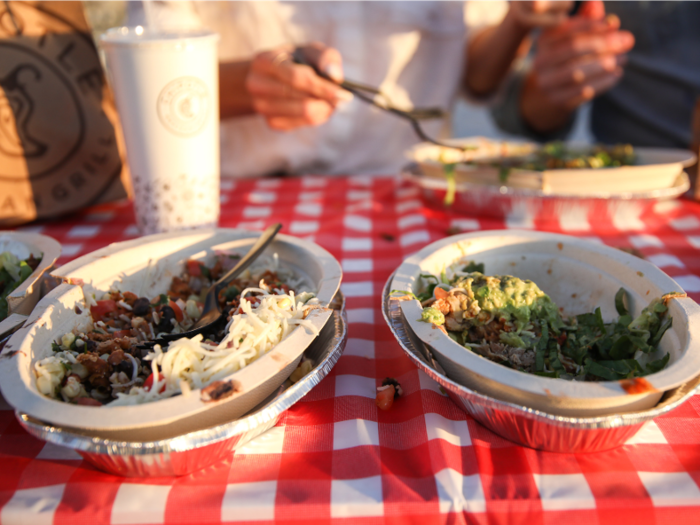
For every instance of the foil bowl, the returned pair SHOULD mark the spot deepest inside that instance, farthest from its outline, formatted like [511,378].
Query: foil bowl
[578,276]
[521,424]
[130,265]
[524,205]
[181,455]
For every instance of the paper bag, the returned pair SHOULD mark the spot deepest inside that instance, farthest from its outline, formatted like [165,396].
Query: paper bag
[60,143]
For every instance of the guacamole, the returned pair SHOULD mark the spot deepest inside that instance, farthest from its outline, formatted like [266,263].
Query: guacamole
[431,315]
[509,297]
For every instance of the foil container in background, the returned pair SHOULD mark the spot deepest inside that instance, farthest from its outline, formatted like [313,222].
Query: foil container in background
[188,453]
[520,424]
[522,205]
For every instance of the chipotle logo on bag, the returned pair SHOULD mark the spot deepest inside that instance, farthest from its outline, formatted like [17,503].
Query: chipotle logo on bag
[59,146]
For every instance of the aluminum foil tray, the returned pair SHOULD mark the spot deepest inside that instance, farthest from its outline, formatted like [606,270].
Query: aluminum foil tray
[187,453]
[520,424]
[523,204]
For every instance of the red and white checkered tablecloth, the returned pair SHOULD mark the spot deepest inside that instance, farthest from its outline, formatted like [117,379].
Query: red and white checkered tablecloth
[334,456]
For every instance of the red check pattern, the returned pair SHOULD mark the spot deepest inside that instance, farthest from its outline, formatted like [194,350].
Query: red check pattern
[334,456]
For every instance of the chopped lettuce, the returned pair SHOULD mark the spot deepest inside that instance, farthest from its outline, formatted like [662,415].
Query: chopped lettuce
[11,264]
[512,339]
[13,273]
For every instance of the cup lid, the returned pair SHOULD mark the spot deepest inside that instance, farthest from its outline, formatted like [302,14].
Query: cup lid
[143,35]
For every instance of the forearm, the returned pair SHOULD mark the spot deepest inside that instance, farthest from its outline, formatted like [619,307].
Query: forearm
[234,98]
[508,116]
[491,53]
[538,111]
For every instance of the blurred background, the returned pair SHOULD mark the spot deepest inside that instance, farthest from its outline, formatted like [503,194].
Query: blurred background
[468,119]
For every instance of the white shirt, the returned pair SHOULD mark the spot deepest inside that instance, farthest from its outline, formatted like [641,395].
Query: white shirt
[413,51]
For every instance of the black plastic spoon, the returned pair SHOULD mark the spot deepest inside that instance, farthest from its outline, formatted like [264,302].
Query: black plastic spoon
[212,313]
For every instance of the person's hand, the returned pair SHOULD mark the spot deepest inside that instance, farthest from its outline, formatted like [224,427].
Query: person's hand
[492,49]
[540,13]
[291,95]
[575,61]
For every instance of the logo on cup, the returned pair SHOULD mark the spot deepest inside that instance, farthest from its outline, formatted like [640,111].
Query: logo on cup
[183,106]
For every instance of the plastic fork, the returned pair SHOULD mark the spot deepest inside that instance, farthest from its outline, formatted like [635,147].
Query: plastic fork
[375,97]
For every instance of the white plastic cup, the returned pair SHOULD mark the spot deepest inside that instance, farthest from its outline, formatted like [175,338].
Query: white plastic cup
[166,86]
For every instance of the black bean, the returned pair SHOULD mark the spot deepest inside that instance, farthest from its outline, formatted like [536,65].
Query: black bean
[90,345]
[141,307]
[125,366]
[167,314]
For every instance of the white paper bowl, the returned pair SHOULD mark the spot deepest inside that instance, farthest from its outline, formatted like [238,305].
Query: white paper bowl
[579,276]
[146,266]
[655,169]
[23,299]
